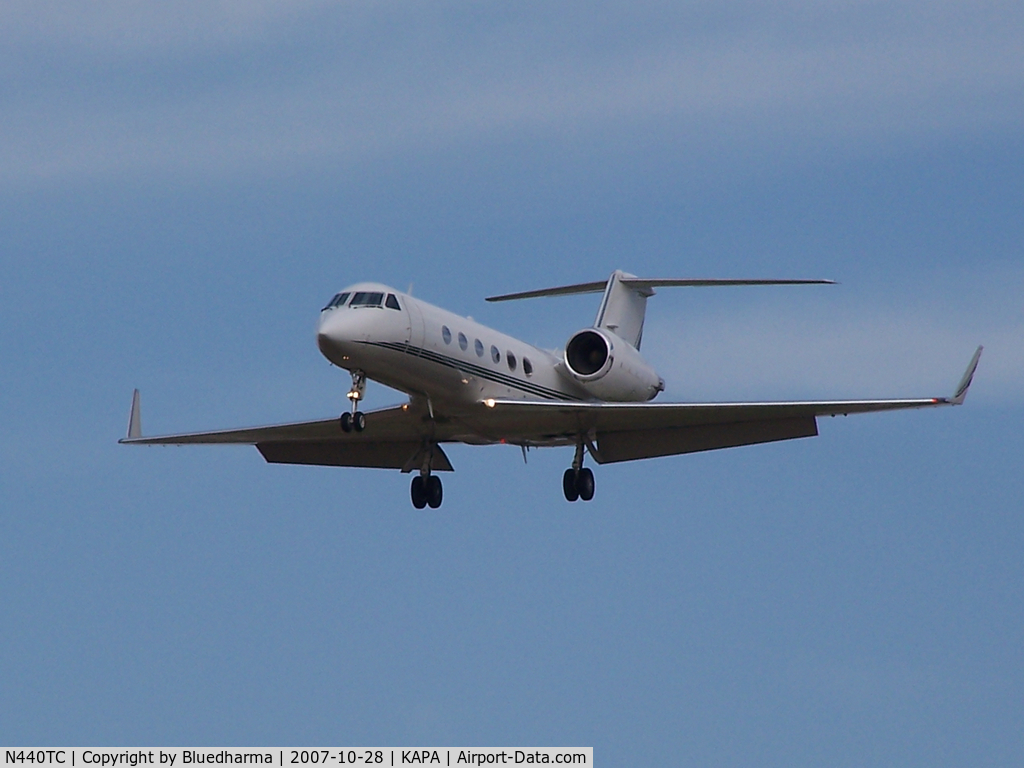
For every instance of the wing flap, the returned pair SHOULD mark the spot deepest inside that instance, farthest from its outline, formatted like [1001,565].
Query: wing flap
[627,445]
[332,453]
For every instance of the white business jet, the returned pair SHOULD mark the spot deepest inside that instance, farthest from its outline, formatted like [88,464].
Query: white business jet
[470,384]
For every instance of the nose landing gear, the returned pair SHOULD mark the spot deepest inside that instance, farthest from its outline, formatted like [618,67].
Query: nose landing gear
[578,481]
[355,420]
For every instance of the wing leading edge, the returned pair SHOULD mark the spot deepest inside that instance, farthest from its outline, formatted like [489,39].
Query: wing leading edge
[627,431]
[395,439]
[406,437]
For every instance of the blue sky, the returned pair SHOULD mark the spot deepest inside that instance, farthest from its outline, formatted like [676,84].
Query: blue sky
[183,185]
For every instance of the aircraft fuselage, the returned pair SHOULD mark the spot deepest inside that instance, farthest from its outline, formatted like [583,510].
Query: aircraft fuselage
[424,350]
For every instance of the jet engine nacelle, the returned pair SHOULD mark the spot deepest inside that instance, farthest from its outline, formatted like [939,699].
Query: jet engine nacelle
[609,368]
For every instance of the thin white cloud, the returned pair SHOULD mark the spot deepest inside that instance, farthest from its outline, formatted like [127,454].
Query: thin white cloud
[800,76]
[119,28]
[843,349]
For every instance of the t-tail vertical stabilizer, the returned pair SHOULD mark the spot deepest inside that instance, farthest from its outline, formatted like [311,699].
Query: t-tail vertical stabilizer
[623,308]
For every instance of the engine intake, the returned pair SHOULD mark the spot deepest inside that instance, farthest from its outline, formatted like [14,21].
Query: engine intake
[609,368]
[586,353]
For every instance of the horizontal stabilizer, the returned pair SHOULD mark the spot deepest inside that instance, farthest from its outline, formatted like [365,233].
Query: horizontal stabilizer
[564,290]
[645,284]
[670,282]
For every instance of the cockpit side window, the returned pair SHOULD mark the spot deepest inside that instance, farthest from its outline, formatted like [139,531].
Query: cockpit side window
[392,302]
[337,301]
[367,299]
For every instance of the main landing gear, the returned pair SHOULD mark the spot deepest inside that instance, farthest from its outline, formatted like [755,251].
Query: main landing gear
[578,481]
[355,420]
[426,490]
[426,487]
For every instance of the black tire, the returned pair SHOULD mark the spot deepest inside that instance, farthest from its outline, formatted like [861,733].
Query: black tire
[435,494]
[418,492]
[585,484]
[346,422]
[569,485]
[359,421]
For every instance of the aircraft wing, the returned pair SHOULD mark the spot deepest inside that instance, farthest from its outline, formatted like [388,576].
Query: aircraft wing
[406,437]
[626,431]
[394,439]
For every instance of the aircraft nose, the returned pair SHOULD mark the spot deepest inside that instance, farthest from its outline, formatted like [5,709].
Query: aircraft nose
[331,333]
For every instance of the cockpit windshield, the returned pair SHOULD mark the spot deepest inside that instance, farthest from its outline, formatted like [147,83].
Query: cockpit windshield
[337,301]
[367,299]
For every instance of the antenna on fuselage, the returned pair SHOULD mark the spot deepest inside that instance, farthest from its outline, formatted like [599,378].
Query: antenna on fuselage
[410,289]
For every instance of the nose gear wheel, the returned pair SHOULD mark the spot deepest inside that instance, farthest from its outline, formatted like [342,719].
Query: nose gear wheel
[355,420]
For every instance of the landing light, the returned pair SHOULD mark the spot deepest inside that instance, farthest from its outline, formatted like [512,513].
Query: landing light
[489,403]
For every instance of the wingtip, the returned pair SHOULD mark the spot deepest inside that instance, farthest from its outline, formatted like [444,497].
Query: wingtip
[965,383]
[134,419]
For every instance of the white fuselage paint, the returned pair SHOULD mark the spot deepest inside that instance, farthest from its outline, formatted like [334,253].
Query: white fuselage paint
[406,349]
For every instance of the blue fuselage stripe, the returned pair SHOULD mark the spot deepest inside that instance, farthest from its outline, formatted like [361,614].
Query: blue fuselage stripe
[476,370]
